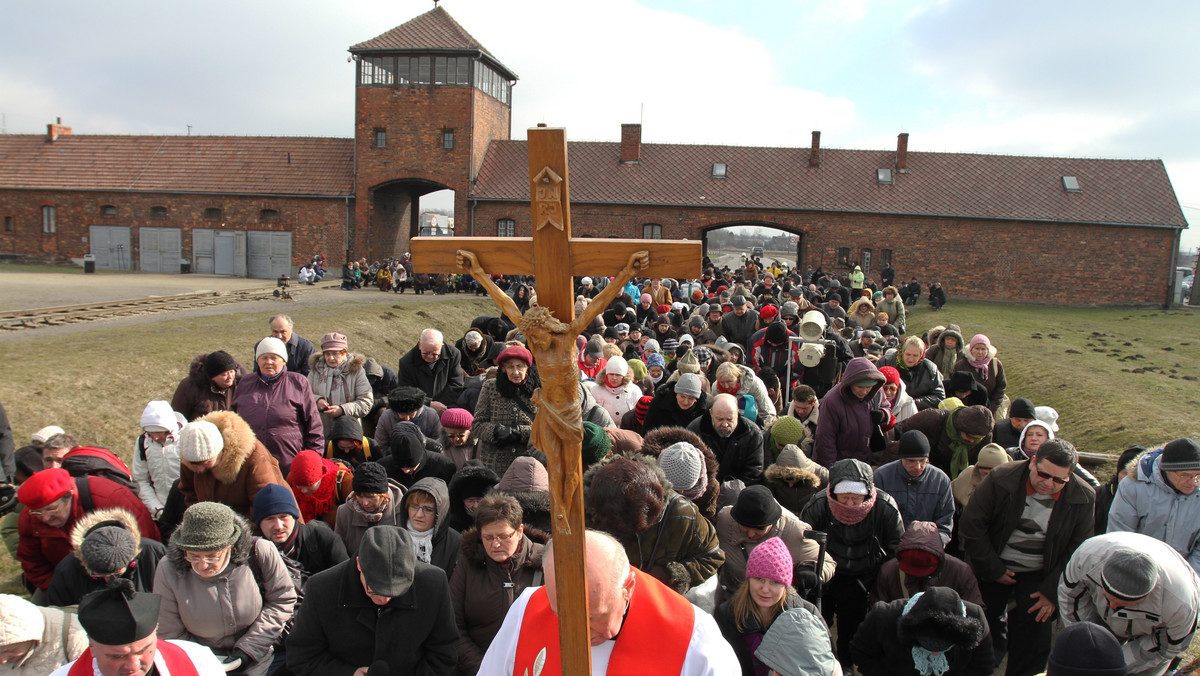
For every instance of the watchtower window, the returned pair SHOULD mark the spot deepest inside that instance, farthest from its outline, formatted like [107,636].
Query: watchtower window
[377,70]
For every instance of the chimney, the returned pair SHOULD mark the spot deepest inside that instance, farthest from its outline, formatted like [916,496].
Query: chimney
[814,157]
[53,131]
[902,153]
[631,143]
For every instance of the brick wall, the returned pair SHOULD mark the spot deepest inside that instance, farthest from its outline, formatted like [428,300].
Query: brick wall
[978,259]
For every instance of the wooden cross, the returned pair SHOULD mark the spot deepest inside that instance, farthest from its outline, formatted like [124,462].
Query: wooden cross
[550,330]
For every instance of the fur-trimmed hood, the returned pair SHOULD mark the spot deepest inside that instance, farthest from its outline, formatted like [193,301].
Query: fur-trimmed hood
[239,444]
[793,467]
[354,362]
[527,555]
[940,612]
[196,370]
[593,514]
[658,439]
[238,555]
[113,516]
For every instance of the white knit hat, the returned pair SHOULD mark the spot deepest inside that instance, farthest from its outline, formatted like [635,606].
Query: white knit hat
[616,366]
[200,441]
[271,345]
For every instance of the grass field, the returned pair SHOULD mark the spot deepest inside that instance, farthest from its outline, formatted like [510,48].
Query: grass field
[1116,377]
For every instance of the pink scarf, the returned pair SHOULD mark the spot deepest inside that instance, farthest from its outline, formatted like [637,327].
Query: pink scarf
[983,365]
[846,514]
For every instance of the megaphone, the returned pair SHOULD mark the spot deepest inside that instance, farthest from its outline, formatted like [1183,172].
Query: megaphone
[812,327]
[811,354]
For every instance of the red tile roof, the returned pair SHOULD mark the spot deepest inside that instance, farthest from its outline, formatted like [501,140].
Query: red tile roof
[433,30]
[1133,192]
[273,165]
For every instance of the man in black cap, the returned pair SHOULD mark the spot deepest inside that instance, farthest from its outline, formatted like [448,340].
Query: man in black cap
[922,491]
[121,627]
[1141,590]
[382,612]
[1007,432]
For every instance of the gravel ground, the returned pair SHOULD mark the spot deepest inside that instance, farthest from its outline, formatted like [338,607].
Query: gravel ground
[28,290]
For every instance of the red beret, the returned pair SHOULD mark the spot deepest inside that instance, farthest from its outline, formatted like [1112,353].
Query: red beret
[45,487]
[515,352]
[663,309]
[307,468]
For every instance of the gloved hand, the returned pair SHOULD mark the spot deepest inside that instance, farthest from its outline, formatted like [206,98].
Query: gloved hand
[503,434]
[236,660]
[805,579]
[878,416]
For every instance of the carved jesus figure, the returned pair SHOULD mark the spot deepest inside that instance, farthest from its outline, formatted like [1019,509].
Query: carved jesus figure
[558,426]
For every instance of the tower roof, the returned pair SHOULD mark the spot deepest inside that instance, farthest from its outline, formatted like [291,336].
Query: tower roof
[433,30]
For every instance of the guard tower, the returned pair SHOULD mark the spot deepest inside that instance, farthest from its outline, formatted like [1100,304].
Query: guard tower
[428,100]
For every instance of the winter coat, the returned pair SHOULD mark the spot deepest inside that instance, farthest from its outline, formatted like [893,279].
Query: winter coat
[617,402]
[904,407]
[737,547]
[942,357]
[229,610]
[952,572]
[995,510]
[740,454]
[351,526]
[664,410]
[41,547]
[751,384]
[316,547]
[345,385]
[895,311]
[932,423]
[923,381]
[339,629]
[195,395]
[59,636]
[859,549]
[923,498]
[482,590]
[446,540]
[443,383]
[155,468]
[752,630]
[72,581]
[883,644]
[995,383]
[300,351]
[738,330]
[795,478]
[1158,628]
[1147,503]
[528,482]
[283,414]
[474,363]
[844,428]
[495,409]
[426,419]
[243,468]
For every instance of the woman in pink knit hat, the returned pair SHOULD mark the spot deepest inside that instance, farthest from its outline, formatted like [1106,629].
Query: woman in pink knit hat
[765,595]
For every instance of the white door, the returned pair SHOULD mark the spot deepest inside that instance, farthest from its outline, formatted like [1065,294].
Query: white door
[159,249]
[223,248]
[110,245]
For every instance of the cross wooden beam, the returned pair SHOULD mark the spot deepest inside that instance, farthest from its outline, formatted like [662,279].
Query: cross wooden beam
[554,258]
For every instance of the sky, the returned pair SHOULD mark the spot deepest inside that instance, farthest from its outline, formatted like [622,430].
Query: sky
[1082,79]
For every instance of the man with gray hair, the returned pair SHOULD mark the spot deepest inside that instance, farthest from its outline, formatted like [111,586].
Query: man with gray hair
[435,367]
[299,349]
[637,624]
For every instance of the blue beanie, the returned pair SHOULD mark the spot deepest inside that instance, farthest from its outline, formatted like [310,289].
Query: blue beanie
[274,499]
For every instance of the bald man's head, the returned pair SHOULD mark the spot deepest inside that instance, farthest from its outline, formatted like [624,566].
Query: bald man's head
[610,583]
[724,414]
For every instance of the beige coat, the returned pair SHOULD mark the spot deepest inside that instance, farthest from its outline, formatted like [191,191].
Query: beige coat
[60,638]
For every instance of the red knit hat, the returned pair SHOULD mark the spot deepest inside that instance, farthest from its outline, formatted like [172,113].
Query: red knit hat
[307,469]
[768,312]
[918,563]
[515,352]
[639,410]
[890,374]
[45,487]
[772,560]
[457,418]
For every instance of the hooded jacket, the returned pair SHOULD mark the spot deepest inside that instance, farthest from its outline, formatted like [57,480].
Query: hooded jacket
[945,358]
[72,581]
[351,526]
[883,644]
[794,478]
[344,385]
[994,382]
[243,468]
[528,482]
[751,384]
[1147,503]
[859,549]
[664,410]
[737,547]
[740,455]
[283,414]
[155,466]
[446,540]
[922,498]
[951,572]
[482,590]
[752,631]
[195,395]
[798,645]
[995,510]
[59,636]
[844,428]
[227,611]
[894,309]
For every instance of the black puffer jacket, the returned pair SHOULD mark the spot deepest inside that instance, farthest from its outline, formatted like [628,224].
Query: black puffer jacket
[740,454]
[859,549]
[664,410]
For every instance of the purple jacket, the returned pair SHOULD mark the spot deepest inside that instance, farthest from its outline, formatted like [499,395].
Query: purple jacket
[283,415]
[844,428]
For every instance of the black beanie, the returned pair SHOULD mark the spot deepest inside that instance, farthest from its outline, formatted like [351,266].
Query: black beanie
[370,477]
[1181,455]
[1021,408]
[216,363]
[756,508]
[776,333]
[1086,649]
[914,444]
[407,444]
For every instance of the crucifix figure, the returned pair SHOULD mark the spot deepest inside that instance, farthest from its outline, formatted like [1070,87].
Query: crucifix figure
[550,330]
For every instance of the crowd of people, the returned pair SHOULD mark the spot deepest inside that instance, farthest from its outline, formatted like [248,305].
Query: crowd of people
[885,506]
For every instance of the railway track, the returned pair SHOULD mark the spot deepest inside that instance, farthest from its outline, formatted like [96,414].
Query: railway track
[16,320]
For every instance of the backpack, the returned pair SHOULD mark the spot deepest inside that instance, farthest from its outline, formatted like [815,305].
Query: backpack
[295,571]
[84,461]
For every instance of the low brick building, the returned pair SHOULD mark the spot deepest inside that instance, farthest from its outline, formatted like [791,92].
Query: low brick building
[433,112]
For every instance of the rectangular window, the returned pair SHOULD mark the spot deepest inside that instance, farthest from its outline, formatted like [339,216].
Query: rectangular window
[651,231]
[462,74]
[213,213]
[158,212]
[844,255]
[377,70]
[48,224]
[402,70]
[380,137]
[108,210]
[506,227]
[885,257]
[439,70]
[423,67]
[8,224]
[447,139]
[720,170]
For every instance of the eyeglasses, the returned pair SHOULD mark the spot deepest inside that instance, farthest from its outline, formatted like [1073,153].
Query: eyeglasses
[1051,477]
[196,558]
[422,509]
[493,539]
[51,508]
[1188,477]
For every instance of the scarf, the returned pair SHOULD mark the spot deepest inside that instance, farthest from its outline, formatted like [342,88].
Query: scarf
[371,517]
[508,390]
[271,379]
[732,390]
[662,374]
[320,502]
[959,449]
[846,514]
[422,543]
[925,662]
[982,365]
